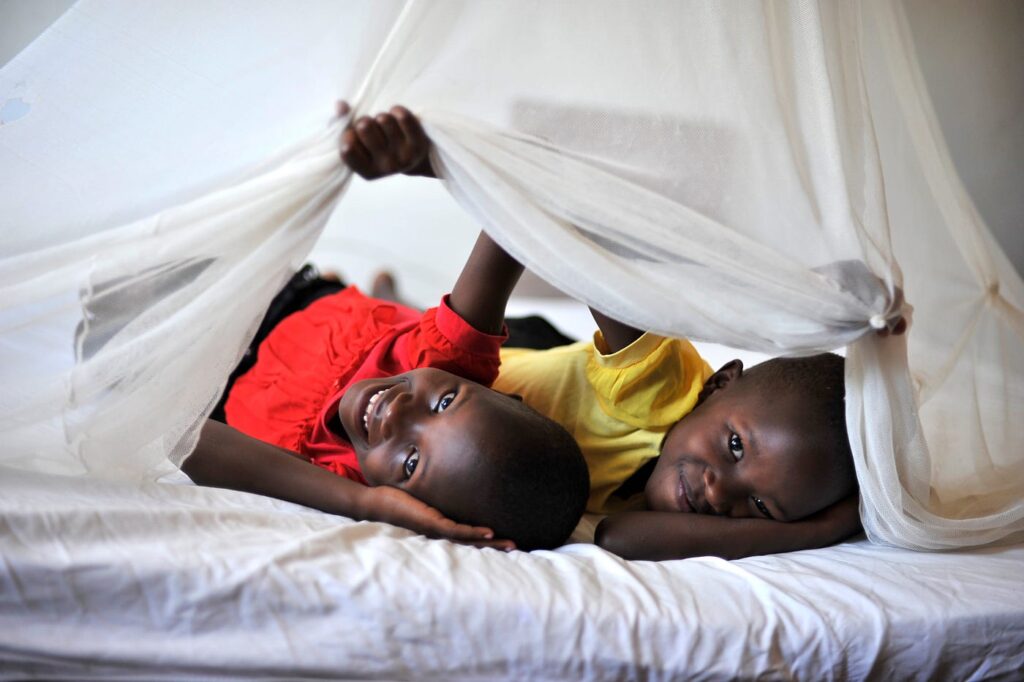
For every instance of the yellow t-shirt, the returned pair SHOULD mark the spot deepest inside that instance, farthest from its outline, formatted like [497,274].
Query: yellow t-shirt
[618,406]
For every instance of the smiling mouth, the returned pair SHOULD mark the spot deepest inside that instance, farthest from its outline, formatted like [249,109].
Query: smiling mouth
[683,498]
[370,404]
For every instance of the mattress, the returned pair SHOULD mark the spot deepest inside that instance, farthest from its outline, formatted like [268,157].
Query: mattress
[105,580]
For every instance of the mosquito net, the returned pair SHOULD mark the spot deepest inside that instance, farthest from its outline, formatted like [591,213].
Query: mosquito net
[766,176]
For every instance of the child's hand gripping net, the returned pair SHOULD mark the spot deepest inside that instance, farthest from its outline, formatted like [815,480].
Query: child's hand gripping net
[385,144]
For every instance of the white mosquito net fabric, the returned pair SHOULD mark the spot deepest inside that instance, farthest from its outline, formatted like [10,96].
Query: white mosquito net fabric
[766,176]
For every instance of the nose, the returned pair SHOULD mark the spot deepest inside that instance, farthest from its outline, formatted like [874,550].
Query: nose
[396,414]
[721,492]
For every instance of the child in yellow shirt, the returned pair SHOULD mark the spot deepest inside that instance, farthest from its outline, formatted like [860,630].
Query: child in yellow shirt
[688,461]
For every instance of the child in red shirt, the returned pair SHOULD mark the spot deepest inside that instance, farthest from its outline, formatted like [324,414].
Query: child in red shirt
[369,409]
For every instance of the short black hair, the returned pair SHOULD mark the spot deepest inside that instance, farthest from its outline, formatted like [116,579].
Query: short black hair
[819,382]
[538,490]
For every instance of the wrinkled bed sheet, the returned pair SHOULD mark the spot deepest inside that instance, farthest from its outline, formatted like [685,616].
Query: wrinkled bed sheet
[102,580]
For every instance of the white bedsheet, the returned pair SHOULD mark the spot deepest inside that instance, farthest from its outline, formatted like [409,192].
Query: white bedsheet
[102,580]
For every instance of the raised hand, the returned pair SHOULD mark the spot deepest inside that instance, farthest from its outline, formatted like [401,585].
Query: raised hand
[385,144]
[397,507]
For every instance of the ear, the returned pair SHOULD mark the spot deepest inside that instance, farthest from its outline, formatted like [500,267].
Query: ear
[729,372]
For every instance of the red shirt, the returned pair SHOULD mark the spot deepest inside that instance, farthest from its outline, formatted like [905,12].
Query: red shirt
[312,357]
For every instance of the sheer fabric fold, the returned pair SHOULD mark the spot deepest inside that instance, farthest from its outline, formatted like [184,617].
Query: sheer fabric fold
[767,176]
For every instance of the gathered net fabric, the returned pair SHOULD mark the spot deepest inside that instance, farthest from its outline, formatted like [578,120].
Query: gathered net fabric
[765,176]
[171,172]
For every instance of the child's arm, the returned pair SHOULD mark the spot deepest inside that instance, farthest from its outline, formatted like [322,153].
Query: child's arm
[394,142]
[617,335]
[667,535]
[227,458]
[484,286]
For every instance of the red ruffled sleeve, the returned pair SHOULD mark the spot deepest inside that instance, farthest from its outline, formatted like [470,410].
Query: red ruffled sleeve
[444,340]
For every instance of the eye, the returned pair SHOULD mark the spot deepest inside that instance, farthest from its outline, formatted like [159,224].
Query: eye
[445,401]
[759,503]
[736,446]
[411,461]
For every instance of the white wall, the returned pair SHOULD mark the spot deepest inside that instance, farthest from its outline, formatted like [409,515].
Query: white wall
[971,55]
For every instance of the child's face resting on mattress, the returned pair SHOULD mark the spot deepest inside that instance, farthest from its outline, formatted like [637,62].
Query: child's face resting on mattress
[762,461]
[768,443]
[457,445]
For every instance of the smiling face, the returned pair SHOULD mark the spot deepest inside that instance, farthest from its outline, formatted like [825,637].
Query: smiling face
[428,432]
[747,452]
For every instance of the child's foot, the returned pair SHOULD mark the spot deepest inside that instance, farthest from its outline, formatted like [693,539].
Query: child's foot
[384,287]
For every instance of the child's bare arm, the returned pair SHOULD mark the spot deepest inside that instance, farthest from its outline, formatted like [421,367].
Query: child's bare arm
[484,286]
[227,458]
[394,142]
[617,335]
[667,535]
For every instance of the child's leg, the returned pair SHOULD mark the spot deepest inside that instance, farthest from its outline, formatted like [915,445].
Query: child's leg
[385,288]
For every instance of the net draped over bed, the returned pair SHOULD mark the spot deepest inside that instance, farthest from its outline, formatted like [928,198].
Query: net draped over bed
[766,176]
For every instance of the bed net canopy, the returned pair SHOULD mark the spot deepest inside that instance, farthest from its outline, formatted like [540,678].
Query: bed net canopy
[766,176]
